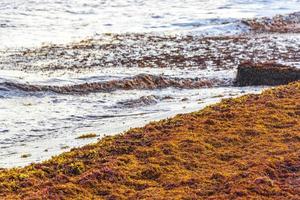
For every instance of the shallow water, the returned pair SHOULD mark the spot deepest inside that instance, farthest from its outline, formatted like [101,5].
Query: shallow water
[46,124]
[26,23]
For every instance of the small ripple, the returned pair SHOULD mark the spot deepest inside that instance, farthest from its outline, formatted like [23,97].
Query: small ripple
[4,130]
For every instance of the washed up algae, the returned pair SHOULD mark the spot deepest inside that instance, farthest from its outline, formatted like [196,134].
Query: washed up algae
[243,148]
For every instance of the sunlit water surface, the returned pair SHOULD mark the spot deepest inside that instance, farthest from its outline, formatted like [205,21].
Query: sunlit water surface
[31,22]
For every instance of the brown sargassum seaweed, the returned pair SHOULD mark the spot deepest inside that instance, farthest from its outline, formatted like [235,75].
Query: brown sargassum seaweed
[243,148]
[141,81]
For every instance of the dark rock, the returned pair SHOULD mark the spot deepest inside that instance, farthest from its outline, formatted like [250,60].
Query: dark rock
[265,74]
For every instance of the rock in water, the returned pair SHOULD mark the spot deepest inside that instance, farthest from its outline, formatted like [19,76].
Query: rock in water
[250,74]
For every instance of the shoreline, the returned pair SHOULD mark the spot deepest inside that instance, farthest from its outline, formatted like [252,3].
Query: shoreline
[242,147]
[189,100]
[55,93]
[92,85]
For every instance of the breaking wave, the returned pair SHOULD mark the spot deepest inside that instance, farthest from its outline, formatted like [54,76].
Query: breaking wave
[280,23]
[140,82]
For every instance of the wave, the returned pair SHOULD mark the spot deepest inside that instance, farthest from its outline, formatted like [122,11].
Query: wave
[280,23]
[139,82]
[142,101]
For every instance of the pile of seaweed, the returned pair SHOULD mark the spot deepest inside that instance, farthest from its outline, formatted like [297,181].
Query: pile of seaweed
[241,148]
[268,73]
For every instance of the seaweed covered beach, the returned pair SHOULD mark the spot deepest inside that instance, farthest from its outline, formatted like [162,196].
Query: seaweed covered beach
[241,148]
[183,105]
[52,94]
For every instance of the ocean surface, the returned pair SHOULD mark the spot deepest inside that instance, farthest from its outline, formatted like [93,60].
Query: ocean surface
[25,23]
[73,67]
